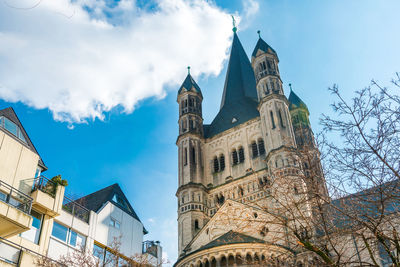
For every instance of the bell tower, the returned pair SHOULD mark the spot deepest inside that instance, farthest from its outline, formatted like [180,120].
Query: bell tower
[273,105]
[191,191]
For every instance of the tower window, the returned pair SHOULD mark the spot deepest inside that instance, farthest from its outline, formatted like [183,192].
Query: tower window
[185,156]
[280,118]
[193,155]
[254,149]
[241,155]
[222,162]
[216,164]
[261,147]
[196,225]
[272,119]
[234,157]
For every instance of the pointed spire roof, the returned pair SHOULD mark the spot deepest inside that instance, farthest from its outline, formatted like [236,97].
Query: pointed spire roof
[239,81]
[189,84]
[264,47]
[239,99]
[296,102]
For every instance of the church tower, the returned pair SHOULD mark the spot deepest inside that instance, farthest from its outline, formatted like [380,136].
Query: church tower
[190,144]
[305,141]
[273,105]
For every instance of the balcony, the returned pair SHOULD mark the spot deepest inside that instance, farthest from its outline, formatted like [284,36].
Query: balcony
[47,196]
[15,207]
[72,207]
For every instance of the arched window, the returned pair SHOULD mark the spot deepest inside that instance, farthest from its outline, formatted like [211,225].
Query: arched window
[272,119]
[193,155]
[280,118]
[196,225]
[235,159]
[254,149]
[221,162]
[216,164]
[261,147]
[241,155]
[185,156]
[223,262]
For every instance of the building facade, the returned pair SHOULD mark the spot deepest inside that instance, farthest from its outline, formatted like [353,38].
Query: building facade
[38,220]
[225,166]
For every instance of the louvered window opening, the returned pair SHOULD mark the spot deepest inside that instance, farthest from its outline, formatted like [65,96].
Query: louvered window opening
[235,159]
[241,155]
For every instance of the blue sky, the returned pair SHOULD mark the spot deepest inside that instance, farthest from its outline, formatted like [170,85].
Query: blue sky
[319,43]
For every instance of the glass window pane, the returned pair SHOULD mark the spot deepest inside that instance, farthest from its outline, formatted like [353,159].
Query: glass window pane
[10,126]
[60,231]
[72,238]
[37,219]
[112,222]
[81,240]
[98,251]
[117,225]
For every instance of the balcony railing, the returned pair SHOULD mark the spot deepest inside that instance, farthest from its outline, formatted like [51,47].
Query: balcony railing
[15,198]
[75,209]
[45,185]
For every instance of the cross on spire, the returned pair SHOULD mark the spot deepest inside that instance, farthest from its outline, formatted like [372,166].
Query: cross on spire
[188,69]
[290,85]
[259,33]
[234,24]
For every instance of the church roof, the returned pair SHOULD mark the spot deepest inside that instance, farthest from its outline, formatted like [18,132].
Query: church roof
[263,46]
[10,114]
[232,237]
[239,99]
[296,102]
[189,84]
[113,193]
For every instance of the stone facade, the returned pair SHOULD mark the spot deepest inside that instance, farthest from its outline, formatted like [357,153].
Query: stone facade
[224,166]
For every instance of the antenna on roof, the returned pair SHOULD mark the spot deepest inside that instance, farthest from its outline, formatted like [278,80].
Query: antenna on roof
[188,70]
[259,33]
[234,24]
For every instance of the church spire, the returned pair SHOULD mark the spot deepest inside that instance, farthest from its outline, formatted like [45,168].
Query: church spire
[239,81]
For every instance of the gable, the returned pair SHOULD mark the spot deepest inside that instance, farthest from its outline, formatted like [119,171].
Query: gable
[241,219]
[20,133]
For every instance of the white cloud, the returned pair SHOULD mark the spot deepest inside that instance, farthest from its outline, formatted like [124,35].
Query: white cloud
[80,59]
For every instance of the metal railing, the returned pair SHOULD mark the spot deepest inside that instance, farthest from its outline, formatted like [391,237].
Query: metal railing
[75,209]
[15,198]
[45,185]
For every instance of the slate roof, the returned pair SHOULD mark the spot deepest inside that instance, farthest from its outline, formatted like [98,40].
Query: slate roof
[239,99]
[263,46]
[95,201]
[295,101]
[190,85]
[232,237]
[10,114]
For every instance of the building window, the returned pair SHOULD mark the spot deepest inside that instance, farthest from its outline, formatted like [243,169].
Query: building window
[193,155]
[68,235]
[261,147]
[216,164]
[196,225]
[185,156]
[221,162]
[254,149]
[33,234]
[241,155]
[235,159]
[60,231]
[114,223]
[272,119]
[12,128]
[280,118]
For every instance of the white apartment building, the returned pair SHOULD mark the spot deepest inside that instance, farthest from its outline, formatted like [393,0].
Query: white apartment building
[38,220]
